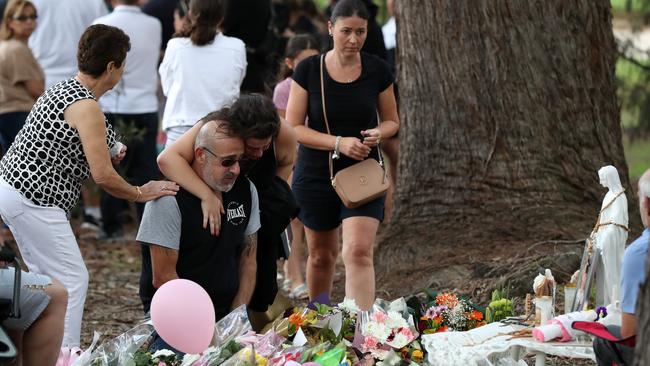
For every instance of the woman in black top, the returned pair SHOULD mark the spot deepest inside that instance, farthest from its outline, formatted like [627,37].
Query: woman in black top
[358,89]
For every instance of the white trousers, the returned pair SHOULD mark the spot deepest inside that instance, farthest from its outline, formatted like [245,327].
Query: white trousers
[48,246]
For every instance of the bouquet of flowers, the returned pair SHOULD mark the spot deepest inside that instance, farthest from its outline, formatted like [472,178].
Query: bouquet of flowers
[449,312]
[385,331]
[331,324]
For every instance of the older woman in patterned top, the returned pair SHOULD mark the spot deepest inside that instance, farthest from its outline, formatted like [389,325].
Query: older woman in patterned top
[66,138]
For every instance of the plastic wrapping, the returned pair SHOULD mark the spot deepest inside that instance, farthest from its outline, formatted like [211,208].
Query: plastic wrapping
[231,326]
[118,350]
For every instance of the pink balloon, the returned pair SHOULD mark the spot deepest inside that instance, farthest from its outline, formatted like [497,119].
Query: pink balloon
[183,315]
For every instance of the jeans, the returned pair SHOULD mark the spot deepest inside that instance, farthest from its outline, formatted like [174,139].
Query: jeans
[608,353]
[158,344]
[139,165]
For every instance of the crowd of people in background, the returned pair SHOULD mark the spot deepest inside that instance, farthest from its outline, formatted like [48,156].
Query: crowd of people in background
[87,89]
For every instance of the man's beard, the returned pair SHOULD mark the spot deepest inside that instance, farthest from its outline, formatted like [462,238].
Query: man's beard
[212,183]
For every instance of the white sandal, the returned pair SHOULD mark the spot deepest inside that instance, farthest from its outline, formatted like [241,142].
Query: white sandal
[299,293]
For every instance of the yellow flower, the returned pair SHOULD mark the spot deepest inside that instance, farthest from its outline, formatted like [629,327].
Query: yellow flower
[417,356]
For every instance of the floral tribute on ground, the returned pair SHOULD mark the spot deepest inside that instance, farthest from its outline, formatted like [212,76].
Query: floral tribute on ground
[319,334]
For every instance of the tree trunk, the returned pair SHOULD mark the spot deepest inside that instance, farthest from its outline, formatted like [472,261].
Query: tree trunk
[508,110]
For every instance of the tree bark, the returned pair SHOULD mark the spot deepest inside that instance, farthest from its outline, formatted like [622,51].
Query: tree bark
[508,109]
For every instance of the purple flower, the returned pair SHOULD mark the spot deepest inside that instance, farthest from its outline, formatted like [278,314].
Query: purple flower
[601,312]
[435,311]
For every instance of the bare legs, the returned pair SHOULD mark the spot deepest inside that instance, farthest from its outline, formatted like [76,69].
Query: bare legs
[295,262]
[358,241]
[40,344]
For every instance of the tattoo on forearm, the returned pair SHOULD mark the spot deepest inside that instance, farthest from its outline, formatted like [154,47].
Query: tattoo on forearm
[250,243]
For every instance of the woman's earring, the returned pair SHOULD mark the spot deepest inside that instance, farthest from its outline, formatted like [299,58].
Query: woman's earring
[330,34]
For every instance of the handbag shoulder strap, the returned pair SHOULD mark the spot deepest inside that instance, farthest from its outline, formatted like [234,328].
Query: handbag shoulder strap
[327,125]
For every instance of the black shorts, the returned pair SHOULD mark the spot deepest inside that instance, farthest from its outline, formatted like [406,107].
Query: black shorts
[321,208]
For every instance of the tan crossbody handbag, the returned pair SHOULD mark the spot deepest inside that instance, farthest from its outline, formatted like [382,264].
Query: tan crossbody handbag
[362,182]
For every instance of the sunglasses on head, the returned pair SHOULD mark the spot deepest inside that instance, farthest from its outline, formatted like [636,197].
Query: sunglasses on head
[225,162]
[24,18]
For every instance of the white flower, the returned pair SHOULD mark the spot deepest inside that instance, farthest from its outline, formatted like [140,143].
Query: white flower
[400,340]
[162,353]
[349,305]
[379,354]
[377,330]
[189,359]
[395,320]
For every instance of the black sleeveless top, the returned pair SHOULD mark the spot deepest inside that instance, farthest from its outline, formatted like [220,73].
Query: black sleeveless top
[211,261]
[262,170]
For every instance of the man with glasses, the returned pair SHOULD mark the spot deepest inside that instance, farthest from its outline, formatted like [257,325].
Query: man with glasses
[180,247]
[270,149]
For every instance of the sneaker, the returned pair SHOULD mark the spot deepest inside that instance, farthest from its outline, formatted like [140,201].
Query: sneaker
[91,223]
[299,292]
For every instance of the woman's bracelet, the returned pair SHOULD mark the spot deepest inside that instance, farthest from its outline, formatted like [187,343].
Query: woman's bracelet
[138,195]
[336,153]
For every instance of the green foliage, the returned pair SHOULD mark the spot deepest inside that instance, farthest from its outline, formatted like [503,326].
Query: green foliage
[637,155]
[633,93]
[500,308]
[630,5]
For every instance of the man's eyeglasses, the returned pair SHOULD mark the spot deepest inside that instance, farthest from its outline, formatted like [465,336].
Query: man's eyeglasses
[24,18]
[225,162]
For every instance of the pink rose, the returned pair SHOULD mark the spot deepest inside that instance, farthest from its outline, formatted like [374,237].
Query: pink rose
[379,317]
[407,332]
[369,343]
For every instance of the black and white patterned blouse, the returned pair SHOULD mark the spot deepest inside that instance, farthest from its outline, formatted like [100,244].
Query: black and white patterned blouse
[46,162]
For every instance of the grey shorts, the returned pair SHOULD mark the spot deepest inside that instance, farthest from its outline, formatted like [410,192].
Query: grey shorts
[33,299]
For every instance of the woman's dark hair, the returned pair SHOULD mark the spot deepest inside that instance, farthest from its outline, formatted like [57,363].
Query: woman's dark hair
[99,45]
[297,44]
[205,16]
[254,116]
[349,8]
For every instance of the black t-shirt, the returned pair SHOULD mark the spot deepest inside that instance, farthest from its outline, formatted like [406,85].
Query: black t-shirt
[351,107]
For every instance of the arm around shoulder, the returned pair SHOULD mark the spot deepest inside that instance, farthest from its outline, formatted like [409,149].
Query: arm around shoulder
[285,149]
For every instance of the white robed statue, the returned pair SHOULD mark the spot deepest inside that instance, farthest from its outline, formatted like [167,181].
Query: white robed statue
[609,236]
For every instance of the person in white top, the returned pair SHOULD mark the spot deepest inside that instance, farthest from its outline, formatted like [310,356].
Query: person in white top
[60,25]
[202,70]
[134,103]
